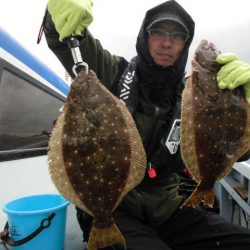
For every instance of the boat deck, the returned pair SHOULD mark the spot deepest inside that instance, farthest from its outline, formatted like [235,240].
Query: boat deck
[73,239]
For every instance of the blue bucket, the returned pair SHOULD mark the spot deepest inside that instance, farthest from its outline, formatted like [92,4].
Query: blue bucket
[43,214]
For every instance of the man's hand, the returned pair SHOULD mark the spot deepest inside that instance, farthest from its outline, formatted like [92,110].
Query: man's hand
[233,73]
[70,17]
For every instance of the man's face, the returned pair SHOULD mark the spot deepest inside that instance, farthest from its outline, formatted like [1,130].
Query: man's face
[165,50]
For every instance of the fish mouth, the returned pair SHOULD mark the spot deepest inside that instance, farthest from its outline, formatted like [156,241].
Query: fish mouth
[206,45]
[206,54]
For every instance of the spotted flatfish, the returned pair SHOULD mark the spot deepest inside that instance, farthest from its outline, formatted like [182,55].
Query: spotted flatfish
[96,155]
[215,125]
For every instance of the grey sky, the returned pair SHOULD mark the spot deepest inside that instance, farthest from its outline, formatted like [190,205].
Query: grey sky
[117,22]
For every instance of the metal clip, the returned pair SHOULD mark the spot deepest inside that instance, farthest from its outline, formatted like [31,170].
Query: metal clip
[74,46]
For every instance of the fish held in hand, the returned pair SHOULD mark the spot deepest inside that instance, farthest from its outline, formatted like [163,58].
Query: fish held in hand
[215,125]
[96,155]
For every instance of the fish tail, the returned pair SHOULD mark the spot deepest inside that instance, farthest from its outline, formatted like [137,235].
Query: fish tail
[205,196]
[104,237]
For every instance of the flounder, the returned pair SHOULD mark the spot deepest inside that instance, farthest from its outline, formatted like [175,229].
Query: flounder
[215,125]
[96,155]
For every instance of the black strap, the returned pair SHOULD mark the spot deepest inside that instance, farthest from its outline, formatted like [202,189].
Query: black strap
[41,30]
[6,239]
[151,145]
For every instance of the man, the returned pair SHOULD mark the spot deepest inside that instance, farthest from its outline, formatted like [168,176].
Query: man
[149,216]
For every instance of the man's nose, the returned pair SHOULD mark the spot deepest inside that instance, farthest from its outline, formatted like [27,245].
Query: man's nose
[166,41]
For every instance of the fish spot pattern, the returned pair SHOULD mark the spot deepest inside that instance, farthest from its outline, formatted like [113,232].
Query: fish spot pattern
[215,123]
[101,153]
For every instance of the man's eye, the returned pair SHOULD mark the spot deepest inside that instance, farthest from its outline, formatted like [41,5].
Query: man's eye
[157,33]
[179,36]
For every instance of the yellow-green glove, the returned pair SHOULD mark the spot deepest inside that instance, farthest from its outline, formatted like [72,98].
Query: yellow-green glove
[70,17]
[233,73]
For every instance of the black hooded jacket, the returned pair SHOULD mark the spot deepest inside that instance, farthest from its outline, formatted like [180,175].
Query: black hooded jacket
[149,71]
[155,92]
[154,103]
[159,91]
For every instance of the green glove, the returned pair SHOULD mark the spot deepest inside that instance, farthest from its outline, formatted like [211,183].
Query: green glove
[70,17]
[234,73]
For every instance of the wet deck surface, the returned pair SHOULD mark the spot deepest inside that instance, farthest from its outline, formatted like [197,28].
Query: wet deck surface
[73,239]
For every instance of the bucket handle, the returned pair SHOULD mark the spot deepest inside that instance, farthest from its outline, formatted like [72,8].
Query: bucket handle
[6,239]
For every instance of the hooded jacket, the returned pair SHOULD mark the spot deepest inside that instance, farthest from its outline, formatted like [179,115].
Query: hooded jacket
[155,102]
[147,68]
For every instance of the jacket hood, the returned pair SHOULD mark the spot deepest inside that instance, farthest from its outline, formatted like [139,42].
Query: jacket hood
[148,70]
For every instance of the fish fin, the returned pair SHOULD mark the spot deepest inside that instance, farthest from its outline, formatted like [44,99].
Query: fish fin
[57,168]
[138,161]
[195,77]
[205,196]
[104,237]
